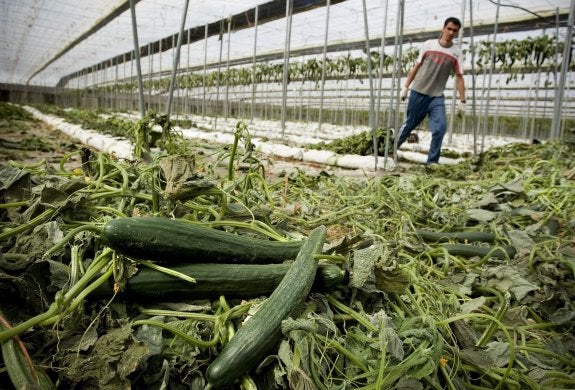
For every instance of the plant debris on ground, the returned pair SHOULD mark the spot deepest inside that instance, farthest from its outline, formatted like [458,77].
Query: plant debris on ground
[458,277]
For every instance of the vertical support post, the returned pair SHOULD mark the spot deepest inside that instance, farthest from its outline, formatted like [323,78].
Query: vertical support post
[289,7]
[491,66]
[116,89]
[320,119]
[219,74]
[150,73]
[473,80]
[176,61]
[226,100]
[137,56]
[401,15]
[254,63]
[78,91]
[370,78]
[454,91]
[381,61]
[380,84]
[560,90]
[186,100]
[392,121]
[205,69]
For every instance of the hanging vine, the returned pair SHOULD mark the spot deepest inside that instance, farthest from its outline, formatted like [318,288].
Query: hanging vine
[519,57]
[513,57]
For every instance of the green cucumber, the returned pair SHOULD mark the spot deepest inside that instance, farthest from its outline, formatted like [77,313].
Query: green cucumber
[481,251]
[260,334]
[430,236]
[213,280]
[23,373]
[170,240]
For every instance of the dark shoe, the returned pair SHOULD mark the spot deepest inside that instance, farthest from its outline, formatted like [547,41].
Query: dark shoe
[431,167]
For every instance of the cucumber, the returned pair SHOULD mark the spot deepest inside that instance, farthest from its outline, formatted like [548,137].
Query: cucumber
[481,251]
[213,280]
[431,236]
[23,373]
[261,333]
[165,239]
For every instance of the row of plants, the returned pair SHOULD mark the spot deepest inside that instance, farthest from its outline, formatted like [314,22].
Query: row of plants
[457,277]
[514,57]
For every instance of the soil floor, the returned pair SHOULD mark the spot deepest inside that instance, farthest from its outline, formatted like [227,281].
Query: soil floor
[29,143]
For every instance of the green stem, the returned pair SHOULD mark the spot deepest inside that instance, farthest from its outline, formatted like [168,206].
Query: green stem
[500,313]
[183,335]
[342,351]
[247,225]
[450,384]
[13,204]
[65,159]
[28,225]
[233,155]
[510,343]
[70,235]
[563,359]
[24,326]
[167,271]
[356,316]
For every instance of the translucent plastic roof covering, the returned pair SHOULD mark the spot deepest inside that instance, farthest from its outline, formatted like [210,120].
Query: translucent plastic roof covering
[34,32]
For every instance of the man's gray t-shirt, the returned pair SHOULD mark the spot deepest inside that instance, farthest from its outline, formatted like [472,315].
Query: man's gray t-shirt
[437,64]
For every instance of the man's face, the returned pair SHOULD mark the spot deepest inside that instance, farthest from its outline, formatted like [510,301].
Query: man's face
[450,31]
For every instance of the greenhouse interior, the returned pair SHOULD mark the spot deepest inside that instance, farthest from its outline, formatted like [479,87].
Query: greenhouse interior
[299,194]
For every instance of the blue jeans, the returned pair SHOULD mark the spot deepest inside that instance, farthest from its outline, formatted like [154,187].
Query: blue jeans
[418,107]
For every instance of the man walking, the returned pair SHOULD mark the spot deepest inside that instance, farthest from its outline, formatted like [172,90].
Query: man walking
[436,62]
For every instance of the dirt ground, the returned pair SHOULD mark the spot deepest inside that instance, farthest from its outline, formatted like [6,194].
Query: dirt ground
[33,142]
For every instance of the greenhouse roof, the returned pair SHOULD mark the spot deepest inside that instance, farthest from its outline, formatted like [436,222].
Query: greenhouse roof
[48,42]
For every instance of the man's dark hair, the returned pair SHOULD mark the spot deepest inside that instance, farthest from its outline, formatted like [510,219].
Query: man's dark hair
[453,20]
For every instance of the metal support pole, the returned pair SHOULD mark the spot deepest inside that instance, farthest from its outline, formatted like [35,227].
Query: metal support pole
[320,119]
[176,61]
[150,74]
[396,77]
[289,7]
[226,102]
[205,70]
[380,86]
[381,61]
[460,43]
[185,109]
[254,64]
[371,94]
[473,79]
[560,90]
[219,74]
[491,66]
[137,55]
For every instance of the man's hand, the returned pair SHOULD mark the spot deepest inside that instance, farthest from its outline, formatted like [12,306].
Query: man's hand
[460,109]
[403,94]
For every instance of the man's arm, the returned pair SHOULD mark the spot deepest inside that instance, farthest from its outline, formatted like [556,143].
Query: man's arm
[460,84]
[411,74]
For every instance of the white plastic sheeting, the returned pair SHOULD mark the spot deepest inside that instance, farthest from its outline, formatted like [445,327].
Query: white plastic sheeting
[415,152]
[120,148]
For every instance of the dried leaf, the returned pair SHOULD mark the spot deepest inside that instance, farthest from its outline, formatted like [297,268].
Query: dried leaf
[480,215]
[508,279]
